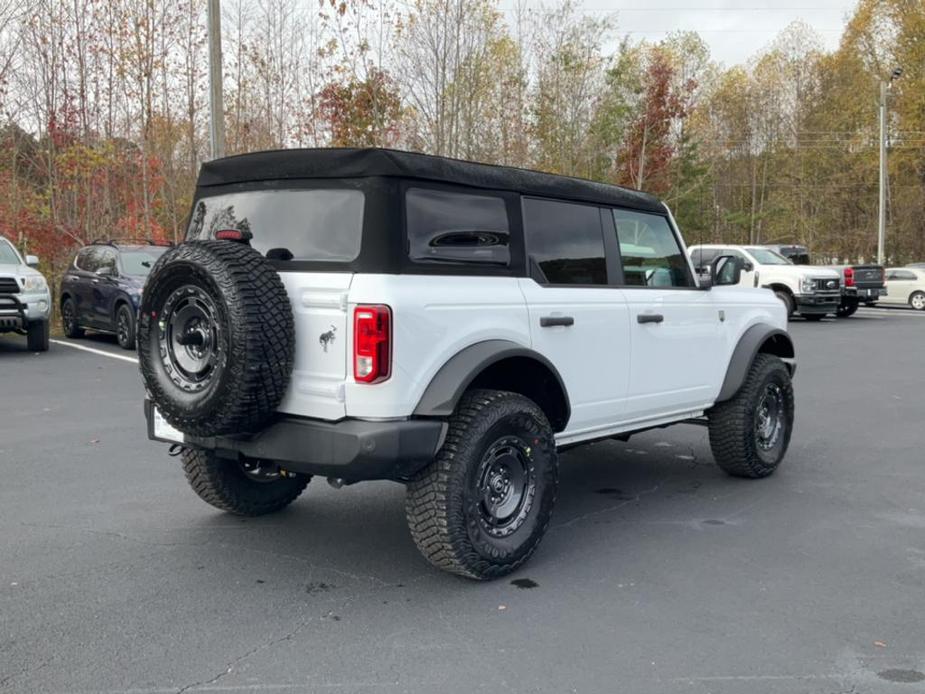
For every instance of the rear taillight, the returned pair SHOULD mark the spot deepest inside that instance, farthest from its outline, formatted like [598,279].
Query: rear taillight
[372,343]
[849,276]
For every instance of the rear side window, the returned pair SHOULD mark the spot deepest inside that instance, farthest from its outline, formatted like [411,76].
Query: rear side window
[565,241]
[651,254]
[325,225]
[450,227]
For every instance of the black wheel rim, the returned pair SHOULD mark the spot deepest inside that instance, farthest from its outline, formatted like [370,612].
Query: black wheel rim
[506,485]
[260,471]
[123,328]
[189,338]
[67,312]
[769,417]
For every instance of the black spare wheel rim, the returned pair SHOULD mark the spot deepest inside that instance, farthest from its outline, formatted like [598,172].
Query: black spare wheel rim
[770,417]
[189,336]
[506,486]
[216,339]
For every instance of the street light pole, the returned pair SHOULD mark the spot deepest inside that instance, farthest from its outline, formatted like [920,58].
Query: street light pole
[216,102]
[881,221]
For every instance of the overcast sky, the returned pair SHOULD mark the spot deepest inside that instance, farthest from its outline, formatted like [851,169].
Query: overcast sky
[734,29]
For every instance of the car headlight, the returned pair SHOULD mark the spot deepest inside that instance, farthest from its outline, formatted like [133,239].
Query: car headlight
[807,285]
[34,284]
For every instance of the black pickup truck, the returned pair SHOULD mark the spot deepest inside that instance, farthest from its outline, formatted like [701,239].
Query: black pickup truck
[860,283]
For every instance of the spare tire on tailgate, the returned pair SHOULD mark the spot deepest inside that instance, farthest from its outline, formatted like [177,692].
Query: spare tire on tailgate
[215,338]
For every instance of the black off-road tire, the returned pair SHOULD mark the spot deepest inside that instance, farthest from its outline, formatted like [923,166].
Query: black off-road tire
[444,507]
[733,424]
[224,484]
[37,337]
[787,300]
[250,331]
[125,327]
[69,323]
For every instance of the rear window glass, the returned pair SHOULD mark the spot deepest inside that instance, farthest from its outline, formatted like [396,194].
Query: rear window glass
[139,263]
[324,225]
[449,227]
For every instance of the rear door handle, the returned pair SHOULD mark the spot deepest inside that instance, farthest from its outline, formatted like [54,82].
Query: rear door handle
[650,318]
[552,321]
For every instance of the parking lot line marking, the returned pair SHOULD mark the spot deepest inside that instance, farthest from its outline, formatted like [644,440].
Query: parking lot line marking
[96,351]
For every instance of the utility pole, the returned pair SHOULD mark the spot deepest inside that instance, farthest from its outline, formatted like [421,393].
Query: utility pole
[881,222]
[216,100]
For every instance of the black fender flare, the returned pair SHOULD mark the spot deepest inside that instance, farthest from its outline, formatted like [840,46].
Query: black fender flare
[457,374]
[750,344]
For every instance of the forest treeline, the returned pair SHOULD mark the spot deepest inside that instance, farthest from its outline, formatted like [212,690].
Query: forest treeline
[105,114]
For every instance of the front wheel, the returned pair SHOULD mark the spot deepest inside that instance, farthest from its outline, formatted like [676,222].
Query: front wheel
[125,327]
[246,487]
[37,336]
[482,507]
[69,320]
[848,309]
[750,433]
[787,301]
[917,301]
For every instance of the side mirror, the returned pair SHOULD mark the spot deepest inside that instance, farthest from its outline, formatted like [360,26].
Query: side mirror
[748,266]
[32,260]
[726,270]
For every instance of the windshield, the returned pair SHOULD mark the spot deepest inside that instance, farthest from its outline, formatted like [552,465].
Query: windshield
[139,263]
[316,224]
[8,255]
[765,256]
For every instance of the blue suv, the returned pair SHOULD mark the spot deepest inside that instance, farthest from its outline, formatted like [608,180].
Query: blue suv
[102,288]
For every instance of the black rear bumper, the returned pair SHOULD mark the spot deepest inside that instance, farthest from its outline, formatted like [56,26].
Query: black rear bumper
[351,449]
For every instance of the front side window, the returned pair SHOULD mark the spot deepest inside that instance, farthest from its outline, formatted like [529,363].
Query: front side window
[565,241]
[651,254]
[702,257]
[451,227]
[313,225]
[902,275]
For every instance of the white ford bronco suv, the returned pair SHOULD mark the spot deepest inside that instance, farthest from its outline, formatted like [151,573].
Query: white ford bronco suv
[813,292]
[367,314]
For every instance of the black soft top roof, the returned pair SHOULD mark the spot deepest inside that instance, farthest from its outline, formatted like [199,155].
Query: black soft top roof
[360,163]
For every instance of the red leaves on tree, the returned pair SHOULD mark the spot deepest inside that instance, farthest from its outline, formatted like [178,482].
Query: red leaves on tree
[361,113]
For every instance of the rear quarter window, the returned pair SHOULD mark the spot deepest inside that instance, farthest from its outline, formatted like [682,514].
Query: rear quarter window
[454,227]
[313,225]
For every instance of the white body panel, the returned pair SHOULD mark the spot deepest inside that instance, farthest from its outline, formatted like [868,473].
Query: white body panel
[789,276]
[591,355]
[900,290]
[620,375]
[319,307]
[433,318]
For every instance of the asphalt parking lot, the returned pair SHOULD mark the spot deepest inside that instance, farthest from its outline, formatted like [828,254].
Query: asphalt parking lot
[659,573]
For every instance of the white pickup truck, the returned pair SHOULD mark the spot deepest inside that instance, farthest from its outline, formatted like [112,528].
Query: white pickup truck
[813,292]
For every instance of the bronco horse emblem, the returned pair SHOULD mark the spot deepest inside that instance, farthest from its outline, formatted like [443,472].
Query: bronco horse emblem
[327,338]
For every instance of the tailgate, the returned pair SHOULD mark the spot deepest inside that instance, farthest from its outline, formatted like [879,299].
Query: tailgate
[868,276]
[319,308]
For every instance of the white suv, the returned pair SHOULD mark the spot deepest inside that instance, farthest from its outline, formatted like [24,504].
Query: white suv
[813,292]
[372,314]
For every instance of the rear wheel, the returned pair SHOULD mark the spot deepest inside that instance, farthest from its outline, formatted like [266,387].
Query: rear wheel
[482,507]
[69,319]
[917,301]
[249,487]
[750,433]
[37,336]
[125,327]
